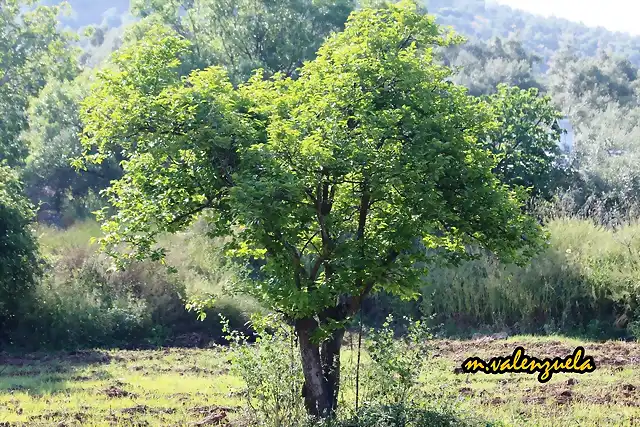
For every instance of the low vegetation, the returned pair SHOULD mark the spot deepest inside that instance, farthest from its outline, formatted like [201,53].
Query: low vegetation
[82,302]
[583,284]
[178,386]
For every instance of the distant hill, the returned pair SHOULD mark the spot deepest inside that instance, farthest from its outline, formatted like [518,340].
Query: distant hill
[472,18]
[93,12]
[542,35]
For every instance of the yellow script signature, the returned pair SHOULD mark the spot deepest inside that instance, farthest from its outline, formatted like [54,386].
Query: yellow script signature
[576,363]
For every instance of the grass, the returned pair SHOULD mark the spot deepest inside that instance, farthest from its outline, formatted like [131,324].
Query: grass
[182,386]
[157,387]
[82,303]
[608,396]
[584,282]
[588,277]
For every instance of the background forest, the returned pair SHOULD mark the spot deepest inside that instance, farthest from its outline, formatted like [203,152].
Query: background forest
[585,282]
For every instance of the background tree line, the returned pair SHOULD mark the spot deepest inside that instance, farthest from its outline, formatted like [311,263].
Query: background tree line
[48,71]
[586,85]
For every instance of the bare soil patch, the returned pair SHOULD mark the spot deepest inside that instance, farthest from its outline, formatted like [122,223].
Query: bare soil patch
[610,353]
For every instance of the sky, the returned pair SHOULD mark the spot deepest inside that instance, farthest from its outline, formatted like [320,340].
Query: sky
[614,15]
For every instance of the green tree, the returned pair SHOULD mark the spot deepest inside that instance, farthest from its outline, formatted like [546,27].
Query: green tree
[483,66]
[526,140]
[244,35]
[580,85]
[19,267]
[53,140]
[31,50]
[349,180]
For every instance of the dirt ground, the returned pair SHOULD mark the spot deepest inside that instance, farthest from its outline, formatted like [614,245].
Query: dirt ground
[608,396]
[181,386]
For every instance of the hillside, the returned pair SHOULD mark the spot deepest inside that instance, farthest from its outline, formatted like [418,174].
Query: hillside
[474,18]
[541,35]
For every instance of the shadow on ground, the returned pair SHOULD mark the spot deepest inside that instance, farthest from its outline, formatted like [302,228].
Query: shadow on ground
[43,373]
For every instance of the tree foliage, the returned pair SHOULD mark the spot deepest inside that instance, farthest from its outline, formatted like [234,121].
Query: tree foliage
[53,140]
[597,82]
[31,50]
[344,181]
[19,264]
[244,35]
[526,140]
[482,66]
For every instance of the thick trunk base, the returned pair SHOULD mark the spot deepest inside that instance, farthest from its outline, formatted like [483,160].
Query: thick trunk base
[321,369]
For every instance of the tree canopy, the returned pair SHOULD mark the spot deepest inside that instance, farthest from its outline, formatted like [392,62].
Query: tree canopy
[526,140]
[31,50]
[244,35]
[19,263]
[343,180]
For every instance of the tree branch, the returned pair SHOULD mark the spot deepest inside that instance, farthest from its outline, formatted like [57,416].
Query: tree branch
[353,303]
[316,268]
[190,213]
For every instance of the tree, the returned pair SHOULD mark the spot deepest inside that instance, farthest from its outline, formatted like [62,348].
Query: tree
[31,50]
[19,267]
[349,180]
[526,140]
[591,83]
[243,35]
[607,186]
[53,140]
[483,66]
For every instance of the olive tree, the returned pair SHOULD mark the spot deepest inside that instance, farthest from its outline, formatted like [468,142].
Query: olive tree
[349,180]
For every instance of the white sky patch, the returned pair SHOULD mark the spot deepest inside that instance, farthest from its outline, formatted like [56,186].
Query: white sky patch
[614,15]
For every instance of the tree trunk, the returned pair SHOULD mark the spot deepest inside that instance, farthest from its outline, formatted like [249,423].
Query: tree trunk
[314,391]
[321,369]
[330,356]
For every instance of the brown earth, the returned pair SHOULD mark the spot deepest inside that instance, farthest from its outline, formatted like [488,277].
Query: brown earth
[610,353]
[610,357]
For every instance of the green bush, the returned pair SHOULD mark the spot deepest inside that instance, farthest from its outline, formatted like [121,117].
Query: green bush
[388,374]
[585,282]
[271,370]
[392,377]
[19,258]
[83,302]
[71,316]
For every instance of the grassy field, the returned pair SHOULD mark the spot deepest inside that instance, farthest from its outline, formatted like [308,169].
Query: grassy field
[193,386]
[608,396]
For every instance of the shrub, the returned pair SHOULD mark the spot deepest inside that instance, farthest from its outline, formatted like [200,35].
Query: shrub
[82,302]
[271,371]
[585,282]
[71,316]
[393,375]
[19,258]
[389,377]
